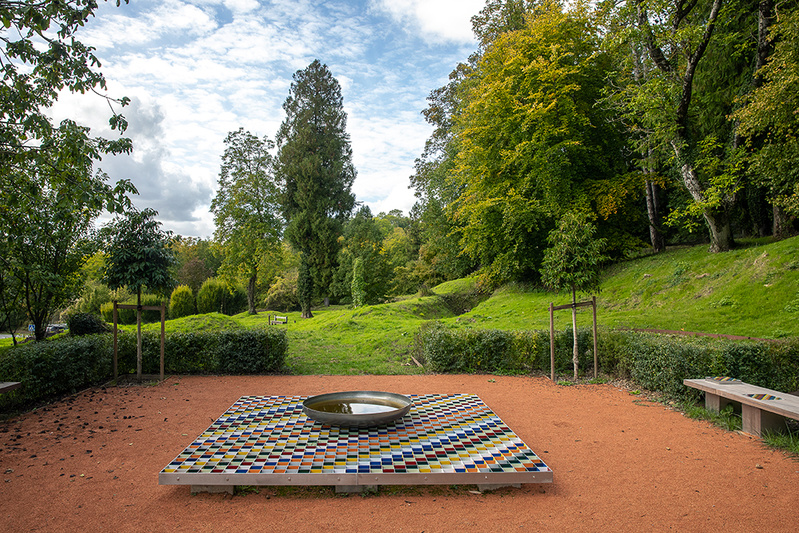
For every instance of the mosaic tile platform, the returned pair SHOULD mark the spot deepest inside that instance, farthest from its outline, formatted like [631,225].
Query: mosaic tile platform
[444,439]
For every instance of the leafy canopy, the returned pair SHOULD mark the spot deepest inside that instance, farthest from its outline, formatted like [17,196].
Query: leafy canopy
[138,253]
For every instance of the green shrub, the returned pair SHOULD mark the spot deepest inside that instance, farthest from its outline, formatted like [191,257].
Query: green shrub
[86,324]
[216,296]
[225,352]
[655,362]
[181,303]
[53,368]
[489,350]
[128,316]
[662,362]
[282,295]
[251,351]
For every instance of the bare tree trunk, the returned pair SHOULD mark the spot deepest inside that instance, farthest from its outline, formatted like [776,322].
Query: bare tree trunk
[718,222]
[251,294]
[780,228]
[653,210]
[574,329]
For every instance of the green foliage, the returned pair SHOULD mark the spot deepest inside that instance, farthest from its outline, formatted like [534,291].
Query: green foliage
[246,208]
[53,368]
[62,366]
[574,260]
[128,316]
[197,260]
[362,243]
[498,351]
[769,116]
[138,254]
[314,167]
[662,362]
[305,286]
[182,303]
[358,292]
[80,324]
[282,295]
[532,144]
[217,296]
[49,196]
[207,352]
[251,351]
[656,362]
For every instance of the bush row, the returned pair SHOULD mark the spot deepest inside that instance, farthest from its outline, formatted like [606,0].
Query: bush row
[656,362]
[62,366]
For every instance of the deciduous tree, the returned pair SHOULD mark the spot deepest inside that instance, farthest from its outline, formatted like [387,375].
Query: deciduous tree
[573,261]
[246,208]
[138,255]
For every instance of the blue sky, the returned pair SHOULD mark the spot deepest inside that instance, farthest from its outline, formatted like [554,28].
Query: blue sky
[196,70]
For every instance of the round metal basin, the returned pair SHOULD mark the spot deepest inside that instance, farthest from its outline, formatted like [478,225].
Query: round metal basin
[356,408]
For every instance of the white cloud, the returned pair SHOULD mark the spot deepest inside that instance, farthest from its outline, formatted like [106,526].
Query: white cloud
[199,69]
[438,20]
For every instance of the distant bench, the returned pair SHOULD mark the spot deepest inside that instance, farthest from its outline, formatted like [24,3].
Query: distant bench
[6,386]
[278,320]
[761,409]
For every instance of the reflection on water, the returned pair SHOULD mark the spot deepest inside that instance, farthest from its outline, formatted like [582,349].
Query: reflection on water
[354,406]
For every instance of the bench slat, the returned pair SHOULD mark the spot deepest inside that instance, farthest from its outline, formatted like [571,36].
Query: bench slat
[6,386]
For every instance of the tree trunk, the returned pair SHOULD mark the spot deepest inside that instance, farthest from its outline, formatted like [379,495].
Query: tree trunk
[251,294]
[780,228]
[138,334]
[718,222]
[574,329]
[653,210]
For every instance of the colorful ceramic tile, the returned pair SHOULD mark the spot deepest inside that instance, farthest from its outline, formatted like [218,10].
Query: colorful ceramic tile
[452,434]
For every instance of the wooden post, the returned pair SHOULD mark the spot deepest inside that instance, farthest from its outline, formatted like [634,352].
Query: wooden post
[596,360]
[116,372]
[163,327]
[551,342]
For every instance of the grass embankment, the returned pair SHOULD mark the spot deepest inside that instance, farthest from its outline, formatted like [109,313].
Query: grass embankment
[751,291]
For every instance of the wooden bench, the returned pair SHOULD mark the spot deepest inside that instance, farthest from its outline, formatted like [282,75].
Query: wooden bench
[761,409]
[278,320]
[6,386]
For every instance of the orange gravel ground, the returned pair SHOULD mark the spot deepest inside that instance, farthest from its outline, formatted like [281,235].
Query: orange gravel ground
[91,461]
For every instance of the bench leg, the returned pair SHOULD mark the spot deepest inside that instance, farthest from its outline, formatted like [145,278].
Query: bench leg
[756,421]
[714,402]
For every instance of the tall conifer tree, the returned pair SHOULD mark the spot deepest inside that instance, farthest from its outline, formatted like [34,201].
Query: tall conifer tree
[314,164]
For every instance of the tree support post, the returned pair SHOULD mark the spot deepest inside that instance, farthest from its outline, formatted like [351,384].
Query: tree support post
[551,342]
[573,307]
[116,371]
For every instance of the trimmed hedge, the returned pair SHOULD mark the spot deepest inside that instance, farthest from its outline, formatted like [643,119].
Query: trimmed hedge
[500,351]
[656,362]
[54,368]
[246,351]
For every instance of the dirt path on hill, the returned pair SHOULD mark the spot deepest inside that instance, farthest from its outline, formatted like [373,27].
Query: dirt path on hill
[620,463]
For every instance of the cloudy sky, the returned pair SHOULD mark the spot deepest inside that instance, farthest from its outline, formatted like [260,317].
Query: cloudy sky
[196,70]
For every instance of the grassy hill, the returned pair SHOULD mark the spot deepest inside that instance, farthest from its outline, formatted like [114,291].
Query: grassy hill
[751,291]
